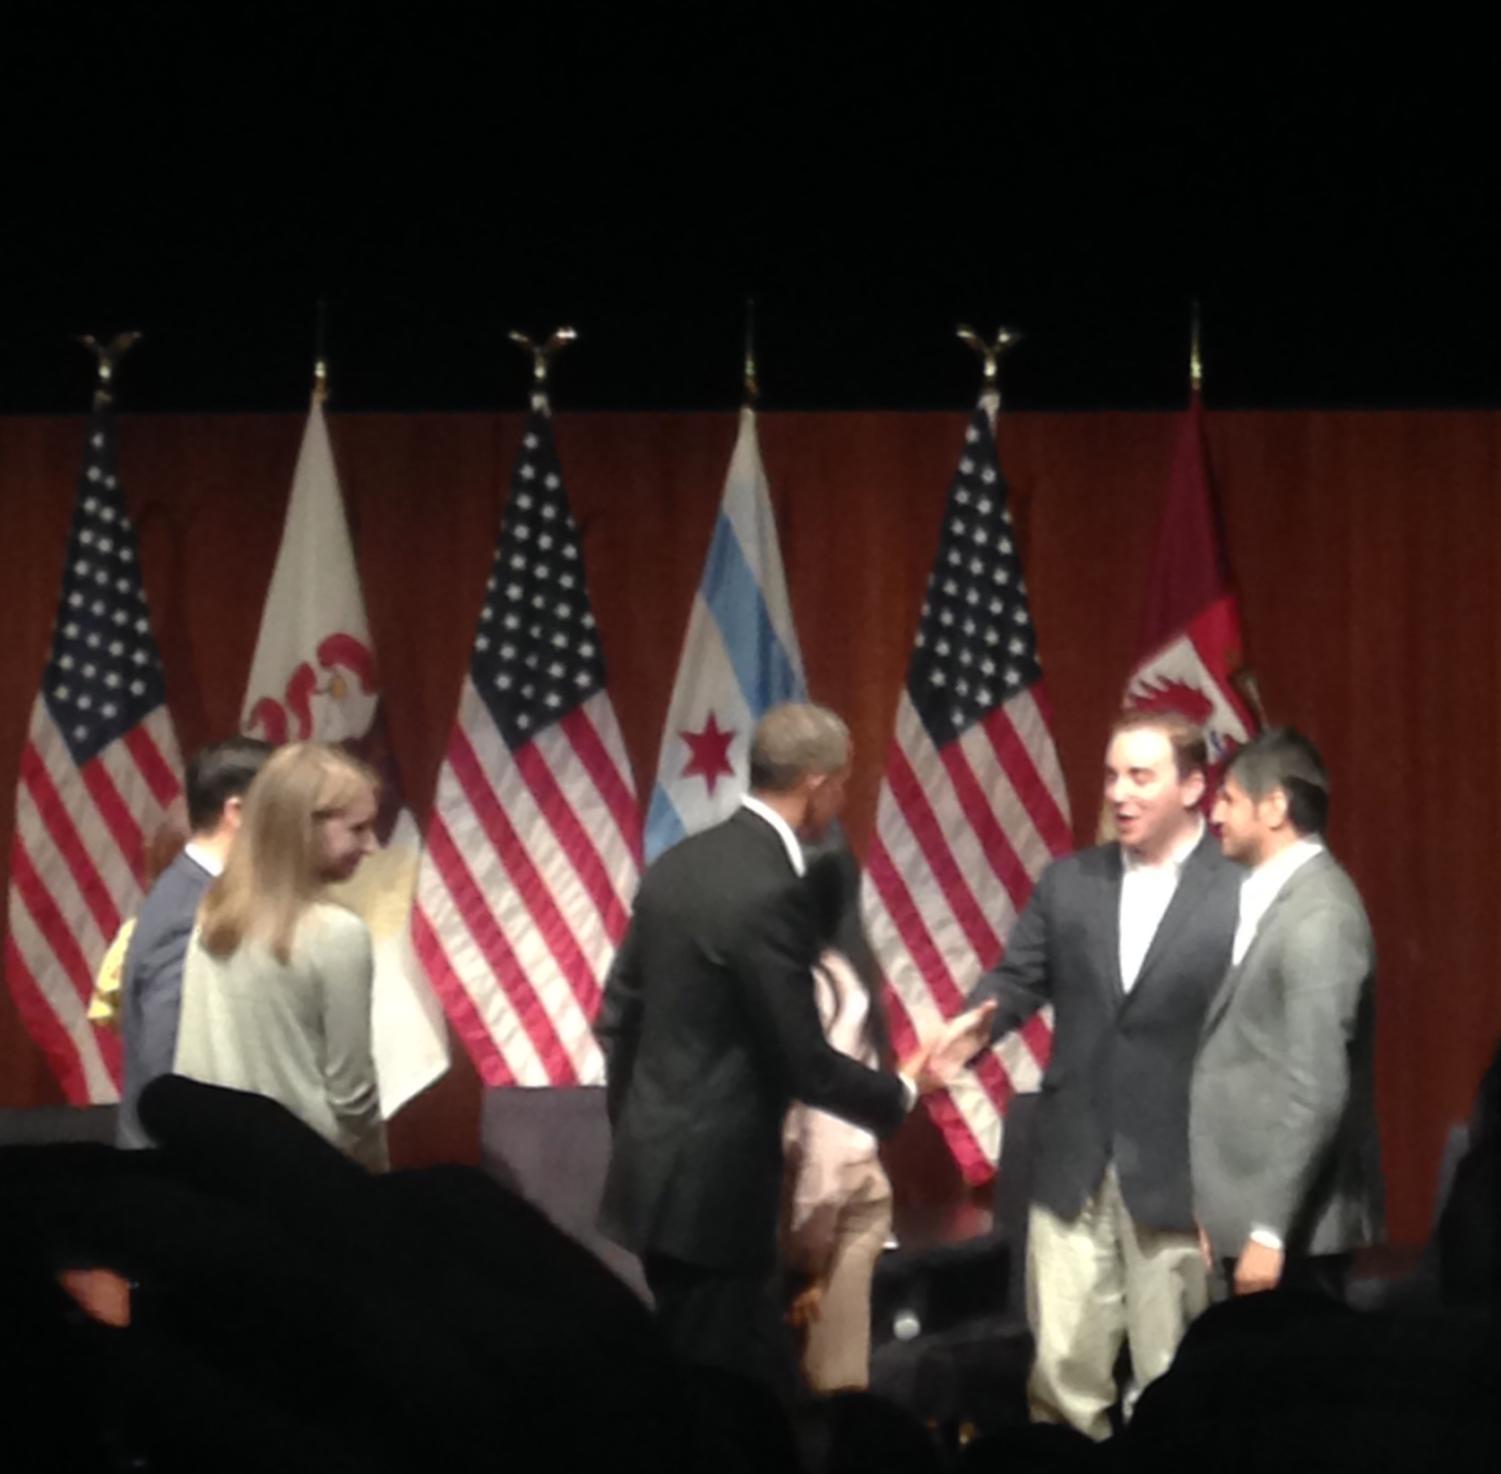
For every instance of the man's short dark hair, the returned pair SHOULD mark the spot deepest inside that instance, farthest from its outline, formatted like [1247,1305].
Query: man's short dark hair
[220,773]
[1282,757]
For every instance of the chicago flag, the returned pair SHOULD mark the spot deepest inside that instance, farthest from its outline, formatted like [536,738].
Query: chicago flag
[740,658]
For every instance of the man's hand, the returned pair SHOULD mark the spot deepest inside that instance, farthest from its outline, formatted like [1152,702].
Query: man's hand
[1258,1268]
[806,1306]
[944,1054]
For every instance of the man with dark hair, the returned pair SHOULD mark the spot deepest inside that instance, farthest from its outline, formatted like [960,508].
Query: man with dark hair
[1127,941]
[710,1032]
[151,985]
[1286,1158]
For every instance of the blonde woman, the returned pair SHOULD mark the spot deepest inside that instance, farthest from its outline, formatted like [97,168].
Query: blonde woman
[276,988]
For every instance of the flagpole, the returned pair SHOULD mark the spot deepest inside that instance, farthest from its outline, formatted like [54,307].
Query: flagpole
[1195,353]
[107,358]
[320,352]
[990,355]
[750,384]
[542,356]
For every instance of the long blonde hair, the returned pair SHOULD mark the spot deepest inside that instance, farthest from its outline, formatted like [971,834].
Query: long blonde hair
[273,873]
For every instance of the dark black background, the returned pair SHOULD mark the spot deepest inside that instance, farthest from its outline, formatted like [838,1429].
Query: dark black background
[1324,184]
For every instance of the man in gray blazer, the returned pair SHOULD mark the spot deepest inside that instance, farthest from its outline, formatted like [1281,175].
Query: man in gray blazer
[1285,1153]
[1127,941]
[151,979]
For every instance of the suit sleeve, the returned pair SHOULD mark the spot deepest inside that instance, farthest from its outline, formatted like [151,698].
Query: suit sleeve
[1324,969]
[618,1024]
[1021,983]
[153,993]
[347,971]
[773,963]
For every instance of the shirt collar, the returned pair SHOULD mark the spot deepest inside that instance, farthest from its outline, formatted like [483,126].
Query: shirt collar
[1263,883]
[783,829]
[1176,860]
[203,859]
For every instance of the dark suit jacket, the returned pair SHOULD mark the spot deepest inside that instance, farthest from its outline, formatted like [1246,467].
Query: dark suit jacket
[151,986]
[1117,1086]
[1284,1112]
[710,1032]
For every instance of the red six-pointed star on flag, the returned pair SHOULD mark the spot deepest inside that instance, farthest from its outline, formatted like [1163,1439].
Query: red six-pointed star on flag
[711,753]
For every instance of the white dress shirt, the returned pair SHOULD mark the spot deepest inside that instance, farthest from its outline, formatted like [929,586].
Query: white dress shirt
[784,831]
[203,859]
[1146,892]
[1261,887]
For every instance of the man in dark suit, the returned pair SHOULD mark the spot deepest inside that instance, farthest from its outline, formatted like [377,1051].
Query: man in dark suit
[1286,1158]
[1127,941]
[151,980]
[710,1032]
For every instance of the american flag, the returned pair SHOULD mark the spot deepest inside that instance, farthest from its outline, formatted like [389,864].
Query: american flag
[973,805]
[533,849]
[99,773]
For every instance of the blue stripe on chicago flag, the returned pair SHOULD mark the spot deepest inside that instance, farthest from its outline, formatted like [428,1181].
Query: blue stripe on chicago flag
[730,589]
[664,825]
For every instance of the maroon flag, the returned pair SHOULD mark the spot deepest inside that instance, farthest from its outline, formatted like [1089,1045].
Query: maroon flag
[1191,653]
[973,805]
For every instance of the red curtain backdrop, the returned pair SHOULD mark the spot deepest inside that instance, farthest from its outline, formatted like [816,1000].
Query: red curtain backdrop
[1364,547]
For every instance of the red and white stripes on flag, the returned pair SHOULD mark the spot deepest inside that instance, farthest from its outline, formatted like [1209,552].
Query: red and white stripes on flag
[532,852]
[972,806]
[100,774]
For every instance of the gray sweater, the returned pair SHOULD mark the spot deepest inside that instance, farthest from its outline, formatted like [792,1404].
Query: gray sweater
[297,1032]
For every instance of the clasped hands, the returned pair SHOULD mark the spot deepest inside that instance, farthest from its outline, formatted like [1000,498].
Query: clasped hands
[938,1059]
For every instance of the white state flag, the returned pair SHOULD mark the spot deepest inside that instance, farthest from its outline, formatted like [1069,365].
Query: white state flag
[313,678]
[740,658]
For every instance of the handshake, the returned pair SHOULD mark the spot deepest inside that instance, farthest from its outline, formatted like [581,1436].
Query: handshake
[938,1059]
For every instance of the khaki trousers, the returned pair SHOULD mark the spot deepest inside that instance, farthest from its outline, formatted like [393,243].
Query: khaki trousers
[1093,1283]
[837,1352]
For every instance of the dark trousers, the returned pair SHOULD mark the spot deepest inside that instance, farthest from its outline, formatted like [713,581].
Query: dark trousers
[731,1322]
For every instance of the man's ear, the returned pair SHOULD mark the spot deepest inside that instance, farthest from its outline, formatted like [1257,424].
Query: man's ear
[1193,789]
[1274,809]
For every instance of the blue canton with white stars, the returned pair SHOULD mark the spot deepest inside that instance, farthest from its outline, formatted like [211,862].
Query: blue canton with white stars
[975,644]
[104,673]
[536,657]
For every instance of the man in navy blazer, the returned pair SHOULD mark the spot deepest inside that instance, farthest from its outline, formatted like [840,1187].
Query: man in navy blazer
[151,980]
[1128,942]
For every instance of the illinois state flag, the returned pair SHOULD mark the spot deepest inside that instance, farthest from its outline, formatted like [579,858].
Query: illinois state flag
[1191,640]
[740,658]
[314,678]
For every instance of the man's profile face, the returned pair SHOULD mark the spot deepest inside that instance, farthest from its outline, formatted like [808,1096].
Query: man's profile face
[1151,804]
[1239,819]
[826,798]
